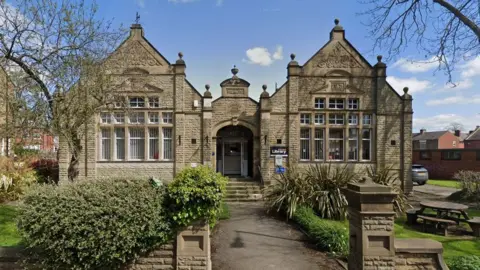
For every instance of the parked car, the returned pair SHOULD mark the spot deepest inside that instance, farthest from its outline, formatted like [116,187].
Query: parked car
[419,174]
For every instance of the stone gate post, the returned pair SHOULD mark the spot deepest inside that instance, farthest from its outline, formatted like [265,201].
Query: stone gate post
[371,217]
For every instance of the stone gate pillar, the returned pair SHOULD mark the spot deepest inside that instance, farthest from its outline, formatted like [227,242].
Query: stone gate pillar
[371,218]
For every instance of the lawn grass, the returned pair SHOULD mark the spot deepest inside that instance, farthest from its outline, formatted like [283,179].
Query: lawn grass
[224,211]
[9,235]
[452,246]
[444,183]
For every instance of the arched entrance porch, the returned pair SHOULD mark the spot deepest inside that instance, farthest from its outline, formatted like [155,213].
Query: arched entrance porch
[235,151]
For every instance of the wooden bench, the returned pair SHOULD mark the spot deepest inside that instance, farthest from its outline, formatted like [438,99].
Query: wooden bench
[412,216]
[475,225]
[438,222]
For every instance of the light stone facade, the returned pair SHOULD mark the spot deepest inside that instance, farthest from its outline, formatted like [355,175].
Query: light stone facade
[365,122]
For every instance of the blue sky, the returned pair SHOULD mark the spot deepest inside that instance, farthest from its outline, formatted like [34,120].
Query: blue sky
[259,35]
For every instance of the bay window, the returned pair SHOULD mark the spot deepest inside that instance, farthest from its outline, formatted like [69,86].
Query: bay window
[335,144]
[137,102]
[105,143]
[319,144]
[336,119]
[167,143]
[336,103]
[137,143]
[136,136]
[305,144]
[305,118]
[319,103]
[352,144]
[353,119]
[319,119]
[120,143]
[366,144]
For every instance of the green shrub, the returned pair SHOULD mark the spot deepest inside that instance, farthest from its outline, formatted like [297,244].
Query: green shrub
[15,178]
[327,198]
[92,225]
[289,190]
[318,186]
[464,263]
[195,194]
[384,176]
[470,184]
[224,212]
[329,235]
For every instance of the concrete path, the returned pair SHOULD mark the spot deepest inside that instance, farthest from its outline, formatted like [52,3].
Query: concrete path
[252,240]
[435,190]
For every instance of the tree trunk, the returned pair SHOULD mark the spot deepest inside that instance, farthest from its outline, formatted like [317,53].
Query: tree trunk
[75,149]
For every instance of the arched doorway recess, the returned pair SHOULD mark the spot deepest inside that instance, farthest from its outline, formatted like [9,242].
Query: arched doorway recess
[235,151]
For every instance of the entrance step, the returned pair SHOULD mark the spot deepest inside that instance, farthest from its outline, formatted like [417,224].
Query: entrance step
[243,190]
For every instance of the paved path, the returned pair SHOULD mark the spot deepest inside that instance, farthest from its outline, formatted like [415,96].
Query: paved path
[435,190]
[252,240]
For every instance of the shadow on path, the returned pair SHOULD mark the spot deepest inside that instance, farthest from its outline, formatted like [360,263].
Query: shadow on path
[253,240]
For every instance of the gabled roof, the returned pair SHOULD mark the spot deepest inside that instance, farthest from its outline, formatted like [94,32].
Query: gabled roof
[433,135]
[475,136]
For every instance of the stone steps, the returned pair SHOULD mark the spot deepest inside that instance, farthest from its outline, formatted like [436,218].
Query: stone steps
[243,190]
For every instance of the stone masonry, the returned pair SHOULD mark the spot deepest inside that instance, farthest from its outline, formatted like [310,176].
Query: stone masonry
[354,117]
[372,239]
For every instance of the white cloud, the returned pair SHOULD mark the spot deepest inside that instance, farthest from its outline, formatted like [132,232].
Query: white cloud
[414,85]
[461,85]
[219,3]
[415,66]
[261,56]
[471,68]
[140,3]
[440,121]
[454,100]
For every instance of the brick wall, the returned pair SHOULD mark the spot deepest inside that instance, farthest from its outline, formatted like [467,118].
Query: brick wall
[445,169]
[472,144]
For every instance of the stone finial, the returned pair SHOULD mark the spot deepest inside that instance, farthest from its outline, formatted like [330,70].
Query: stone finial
[207,93]
[293,62]
[234,70]
[264,94]
[379,62]
[180,60]
[405,90]
[337,25]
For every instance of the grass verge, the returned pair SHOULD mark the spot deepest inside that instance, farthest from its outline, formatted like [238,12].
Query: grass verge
[332,236]
[9,235]
[224,211]
[444,183]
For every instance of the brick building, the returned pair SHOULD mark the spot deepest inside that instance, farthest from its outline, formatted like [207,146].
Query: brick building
[334,108]
[472,141]
[437,140]
[444,163]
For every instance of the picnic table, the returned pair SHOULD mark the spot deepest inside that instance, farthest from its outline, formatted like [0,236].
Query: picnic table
[446,210]
[446,214]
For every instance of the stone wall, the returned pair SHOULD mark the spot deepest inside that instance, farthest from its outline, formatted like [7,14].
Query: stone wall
[372,242]
[161,258]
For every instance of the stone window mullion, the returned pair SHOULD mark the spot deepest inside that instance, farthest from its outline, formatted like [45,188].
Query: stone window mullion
[359,137]
[327,137]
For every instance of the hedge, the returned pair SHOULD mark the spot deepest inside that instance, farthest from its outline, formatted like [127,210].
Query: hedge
[329,235]
[92,225]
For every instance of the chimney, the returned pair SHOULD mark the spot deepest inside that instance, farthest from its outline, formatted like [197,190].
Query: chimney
[470,132]
[422,131]
[457,133]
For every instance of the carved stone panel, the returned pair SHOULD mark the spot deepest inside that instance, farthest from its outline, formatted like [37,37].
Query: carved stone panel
[133,55]
[338,57]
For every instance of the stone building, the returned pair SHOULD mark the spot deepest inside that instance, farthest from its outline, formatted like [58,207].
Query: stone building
[335,108]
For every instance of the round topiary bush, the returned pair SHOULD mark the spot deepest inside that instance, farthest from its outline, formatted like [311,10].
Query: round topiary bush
[92,225]
[195,194]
